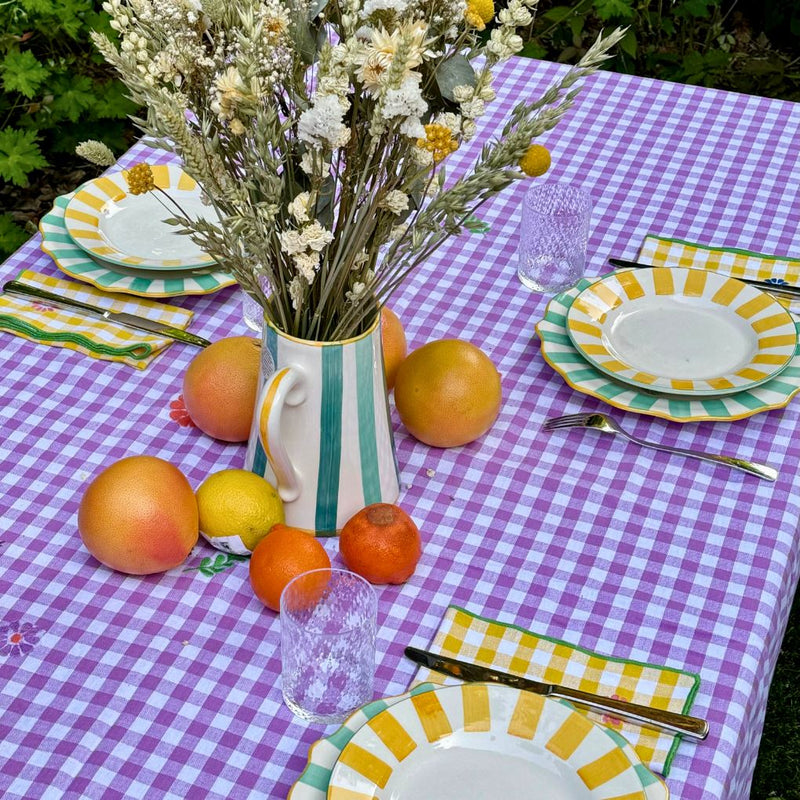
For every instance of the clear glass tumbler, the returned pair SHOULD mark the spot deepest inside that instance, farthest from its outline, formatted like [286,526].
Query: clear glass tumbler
[328,626]
[555,230]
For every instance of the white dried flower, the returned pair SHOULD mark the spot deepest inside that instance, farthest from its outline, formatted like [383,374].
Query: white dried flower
[464,93]
[299,207]
[307,265]
[395,201]
[322,123]
[315,236]
[297,292]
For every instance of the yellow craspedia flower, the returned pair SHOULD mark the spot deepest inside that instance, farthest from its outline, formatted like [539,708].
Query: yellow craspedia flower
[479,12]
[438,140]
[140,179]
[536,160]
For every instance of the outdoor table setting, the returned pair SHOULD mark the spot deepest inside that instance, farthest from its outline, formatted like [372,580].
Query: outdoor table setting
[550,550]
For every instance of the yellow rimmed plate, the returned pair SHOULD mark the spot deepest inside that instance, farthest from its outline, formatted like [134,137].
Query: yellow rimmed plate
[682,331]
[104,219]
[77,263]
[560,353]
[483,740]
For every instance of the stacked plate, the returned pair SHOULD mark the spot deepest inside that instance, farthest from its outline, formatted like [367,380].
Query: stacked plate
[474,741]
[117,241]
[683,344]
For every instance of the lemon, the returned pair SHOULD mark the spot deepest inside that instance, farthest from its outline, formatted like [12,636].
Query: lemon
[237,509]
[536,161]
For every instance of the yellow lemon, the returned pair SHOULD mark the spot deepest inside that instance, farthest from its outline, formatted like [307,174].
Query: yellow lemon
[536,161]
[237,508]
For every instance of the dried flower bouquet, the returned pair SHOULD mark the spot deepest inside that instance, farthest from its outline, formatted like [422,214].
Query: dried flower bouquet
[320,131]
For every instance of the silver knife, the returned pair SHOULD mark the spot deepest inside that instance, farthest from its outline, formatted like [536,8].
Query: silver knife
[782,289]
[19,289]
[642,715]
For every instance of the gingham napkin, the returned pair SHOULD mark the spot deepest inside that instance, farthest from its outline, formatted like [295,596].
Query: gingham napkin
[40,322]
[468,637]
[662,251]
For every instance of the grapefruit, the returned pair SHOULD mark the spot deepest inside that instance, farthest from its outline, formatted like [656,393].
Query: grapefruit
[447,393]
[139,516]
[220,386]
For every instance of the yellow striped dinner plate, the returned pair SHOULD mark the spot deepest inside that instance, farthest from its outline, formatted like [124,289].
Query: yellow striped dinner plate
[679,331]
[105,220]
[476,740]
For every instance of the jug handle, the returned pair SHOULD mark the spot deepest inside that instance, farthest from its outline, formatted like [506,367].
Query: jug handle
[286,387]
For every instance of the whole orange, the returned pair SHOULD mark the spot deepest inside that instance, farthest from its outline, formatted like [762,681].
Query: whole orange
[447,393]
[139,516]
[220,386]
[394,344]
[283,554]
[381,543]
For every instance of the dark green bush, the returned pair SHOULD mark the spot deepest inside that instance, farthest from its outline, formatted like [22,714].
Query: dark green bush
[56,93]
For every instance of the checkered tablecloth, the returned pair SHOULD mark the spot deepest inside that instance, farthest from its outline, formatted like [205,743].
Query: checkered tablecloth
[167,686]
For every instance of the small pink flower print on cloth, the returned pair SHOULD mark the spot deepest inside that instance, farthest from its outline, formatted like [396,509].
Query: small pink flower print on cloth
[16,639]
[42,307]
[611,721]
[178,412]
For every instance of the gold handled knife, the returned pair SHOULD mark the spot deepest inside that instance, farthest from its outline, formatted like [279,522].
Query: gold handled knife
[783,289]
[19,289]
[642,715]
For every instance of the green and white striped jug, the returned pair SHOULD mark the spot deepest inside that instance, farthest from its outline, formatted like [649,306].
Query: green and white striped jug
[322,432]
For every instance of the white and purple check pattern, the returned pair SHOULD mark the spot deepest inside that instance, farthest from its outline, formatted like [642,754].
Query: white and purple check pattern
[167,686]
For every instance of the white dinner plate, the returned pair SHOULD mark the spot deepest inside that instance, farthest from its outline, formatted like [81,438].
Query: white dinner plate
[560,353]
[108,222]
[476,740]
[682,331]
[78,264]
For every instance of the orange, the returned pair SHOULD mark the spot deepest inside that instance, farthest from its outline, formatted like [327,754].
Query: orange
[381,543]
[139,516]
[394,344]
[283,554]
[447,393]
[220,385]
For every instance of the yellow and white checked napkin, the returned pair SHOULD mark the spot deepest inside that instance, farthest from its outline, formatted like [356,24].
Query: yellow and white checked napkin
[662,251]
[40,322]
[468,637]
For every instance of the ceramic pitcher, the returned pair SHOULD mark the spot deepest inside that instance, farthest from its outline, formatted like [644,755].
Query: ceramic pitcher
[321,430]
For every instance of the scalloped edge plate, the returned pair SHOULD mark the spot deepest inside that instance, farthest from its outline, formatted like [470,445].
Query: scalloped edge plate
[314,781]
[108,222]
[76,263]
[559,352]
[688,332]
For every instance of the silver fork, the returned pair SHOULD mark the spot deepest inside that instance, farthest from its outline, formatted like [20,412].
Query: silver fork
[606,424]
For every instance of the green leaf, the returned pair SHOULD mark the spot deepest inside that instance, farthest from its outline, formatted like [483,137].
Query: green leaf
[19,155]
[314,8]
[12,235]
[476,225]
[557,13]
[628,43]
[620,10]
[210,567]
[22,72]
[456,71]
[532,49]
[72,96]
[693,8]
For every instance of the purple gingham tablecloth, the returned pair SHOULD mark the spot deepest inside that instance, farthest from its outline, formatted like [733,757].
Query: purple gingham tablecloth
[168,686]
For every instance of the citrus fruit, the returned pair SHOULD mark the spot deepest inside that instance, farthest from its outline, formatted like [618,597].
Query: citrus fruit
[139,516]
[394,344]
[283,554]
[536,161]
[381,543]
[447,393]
[220,385]
[237,508]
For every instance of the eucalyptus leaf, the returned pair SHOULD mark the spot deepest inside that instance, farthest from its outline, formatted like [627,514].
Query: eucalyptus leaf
[315,7]
[456,71]
[304,36]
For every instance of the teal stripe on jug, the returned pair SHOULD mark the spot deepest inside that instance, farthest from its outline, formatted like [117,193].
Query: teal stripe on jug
[271,343]
[367,443]
[330,446]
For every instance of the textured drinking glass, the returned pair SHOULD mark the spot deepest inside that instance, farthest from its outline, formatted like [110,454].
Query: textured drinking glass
[252,313]
[555,229]
[328,625]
